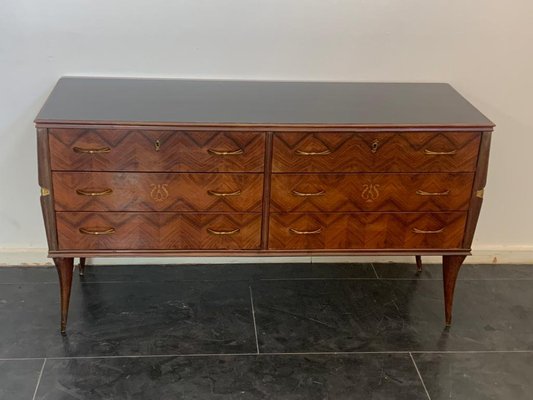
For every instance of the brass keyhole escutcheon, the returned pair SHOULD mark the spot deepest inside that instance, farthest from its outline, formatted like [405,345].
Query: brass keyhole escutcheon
[157,145]
[375,145]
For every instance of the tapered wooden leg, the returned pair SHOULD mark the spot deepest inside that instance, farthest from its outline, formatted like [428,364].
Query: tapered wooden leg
[81,266]
[450,270]
[65,267]
[418,263]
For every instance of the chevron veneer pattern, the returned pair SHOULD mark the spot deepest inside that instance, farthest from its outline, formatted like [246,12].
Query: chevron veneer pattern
[136,231]
[367,230]
[375,152]
[131,167]
[133,191]
[371,192]
[156,150]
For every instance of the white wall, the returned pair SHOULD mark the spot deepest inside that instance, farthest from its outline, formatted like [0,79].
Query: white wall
[482,47]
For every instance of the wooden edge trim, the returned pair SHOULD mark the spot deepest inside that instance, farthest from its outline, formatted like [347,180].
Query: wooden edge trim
[251,253]
[47,192]
[267,170]
[258,127]
[480,180]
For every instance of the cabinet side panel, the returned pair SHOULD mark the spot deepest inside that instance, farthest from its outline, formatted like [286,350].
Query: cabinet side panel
[267,183]
[45,182]
[480,181]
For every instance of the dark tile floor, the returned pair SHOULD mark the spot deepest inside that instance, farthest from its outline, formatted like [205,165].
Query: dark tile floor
[278,331]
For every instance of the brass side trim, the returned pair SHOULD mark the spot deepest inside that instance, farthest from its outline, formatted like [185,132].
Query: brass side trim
[480,193]
[45,192]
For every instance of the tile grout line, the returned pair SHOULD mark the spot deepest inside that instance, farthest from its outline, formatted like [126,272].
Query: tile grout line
[253,317]
[374,269]
[315,279]
[39,379]
[318,353]
[419,375]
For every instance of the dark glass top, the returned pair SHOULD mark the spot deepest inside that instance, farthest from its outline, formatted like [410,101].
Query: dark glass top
[167,101]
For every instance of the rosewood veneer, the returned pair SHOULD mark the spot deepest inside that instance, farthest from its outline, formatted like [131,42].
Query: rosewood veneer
[160,167]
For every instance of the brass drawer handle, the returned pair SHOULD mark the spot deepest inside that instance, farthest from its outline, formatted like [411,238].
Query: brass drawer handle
[297,232]
[91,151]
[423,193]
[230,232]
[301,194]
[96,232]
[313,153]
[225,153]
[415,230]
[103,192]
[439,153]
[223,194]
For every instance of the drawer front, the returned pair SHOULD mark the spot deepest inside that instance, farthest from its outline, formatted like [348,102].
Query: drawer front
[371,192]
[386,231]
[375,152]
[145,150]
[130,191]
[161,231]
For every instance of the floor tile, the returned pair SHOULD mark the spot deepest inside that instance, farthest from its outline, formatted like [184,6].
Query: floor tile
[28,274]
[391,315]
[502,376]
[226,272]
[467,272]
[407,271]
[126,319]
[244,377]
[18,378]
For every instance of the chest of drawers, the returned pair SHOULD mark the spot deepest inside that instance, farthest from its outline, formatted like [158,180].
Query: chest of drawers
[137,167]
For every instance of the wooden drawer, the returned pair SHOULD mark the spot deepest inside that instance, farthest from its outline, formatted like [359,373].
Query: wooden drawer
[145,150]
[130,191]
[375,152]
[164,231]
[384,231]
[371,192]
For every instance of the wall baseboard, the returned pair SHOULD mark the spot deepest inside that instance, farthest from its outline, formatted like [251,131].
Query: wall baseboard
[480,255]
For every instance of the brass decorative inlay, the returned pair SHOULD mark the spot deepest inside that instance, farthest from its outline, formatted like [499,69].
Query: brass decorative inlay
[374,146]
[302,194]
[217,232]
[159,192]
[416,230]
[370,192]
[91,151]
[45,191]
[313,153]
[85,192]
[223,194]
[480,193]
[225,153]
[298,232]
[157,145]
[97,231]
[423,193]
[439,153]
